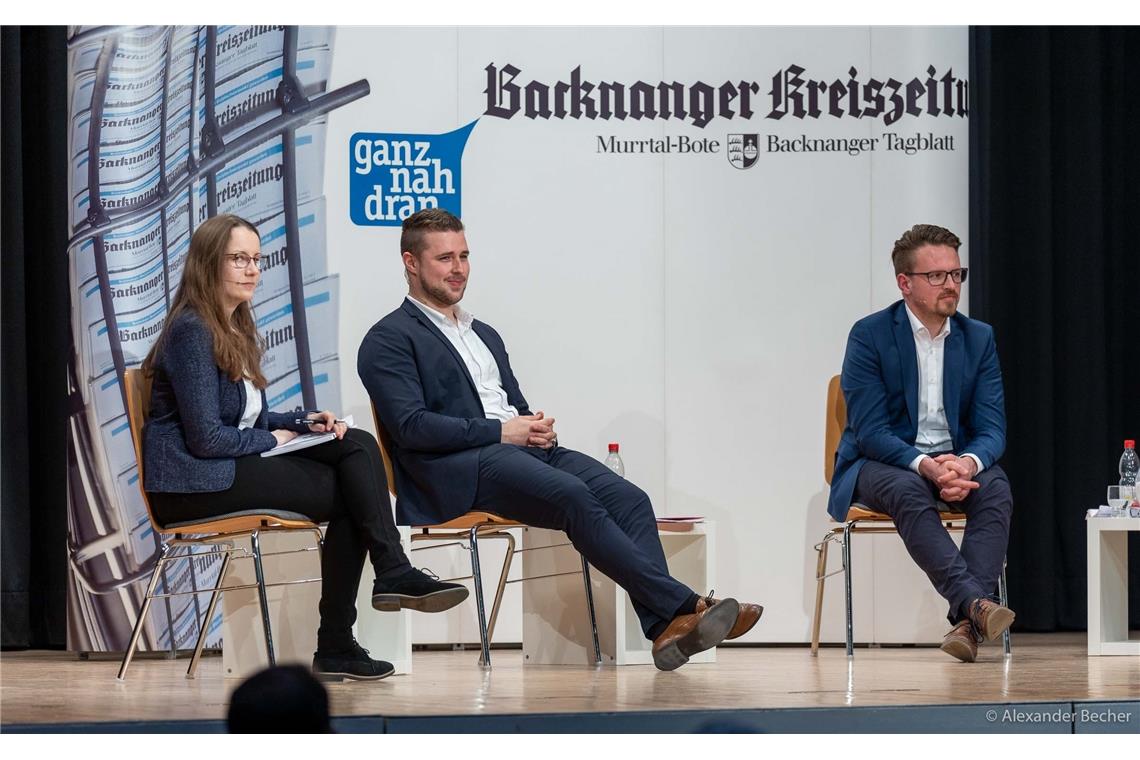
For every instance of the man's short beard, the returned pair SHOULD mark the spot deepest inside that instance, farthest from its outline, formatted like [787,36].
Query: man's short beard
[442,294]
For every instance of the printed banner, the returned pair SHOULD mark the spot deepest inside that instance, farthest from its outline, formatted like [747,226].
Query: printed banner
[138,109]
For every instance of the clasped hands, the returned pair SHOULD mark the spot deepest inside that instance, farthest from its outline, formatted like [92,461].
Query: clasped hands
[530,430]
[952,474]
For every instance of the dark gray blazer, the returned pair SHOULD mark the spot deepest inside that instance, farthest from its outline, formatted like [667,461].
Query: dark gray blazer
[427,402]
[191,437]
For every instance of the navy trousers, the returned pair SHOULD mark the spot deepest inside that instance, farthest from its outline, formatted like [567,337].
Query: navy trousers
[912,502]
[607,518]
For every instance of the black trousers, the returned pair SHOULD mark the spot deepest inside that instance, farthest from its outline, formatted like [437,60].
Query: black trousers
[340,482]
[607,518]
[959,575]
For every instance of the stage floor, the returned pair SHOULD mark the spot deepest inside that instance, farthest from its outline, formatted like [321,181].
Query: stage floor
[57,688]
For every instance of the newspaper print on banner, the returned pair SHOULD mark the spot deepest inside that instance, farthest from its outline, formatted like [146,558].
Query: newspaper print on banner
[276,324]
[247,99]
[243,47]
[274,252]
[146,88]
[285,392]
[251,184]
[131,127]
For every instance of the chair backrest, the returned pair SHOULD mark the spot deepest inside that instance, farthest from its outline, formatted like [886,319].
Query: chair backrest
[835,422]
[385,450]
[136,387]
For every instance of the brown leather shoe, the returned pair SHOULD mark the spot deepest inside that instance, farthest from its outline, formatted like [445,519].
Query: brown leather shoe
[960,642]
[990,619]
[696,632]
[745,619]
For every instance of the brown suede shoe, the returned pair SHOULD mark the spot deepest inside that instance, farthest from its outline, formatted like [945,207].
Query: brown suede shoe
[990,619]
[696,632]
[960,642]
[747,617]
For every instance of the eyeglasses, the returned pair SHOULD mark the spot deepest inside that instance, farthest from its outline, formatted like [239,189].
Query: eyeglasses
[939,277]
[241,260]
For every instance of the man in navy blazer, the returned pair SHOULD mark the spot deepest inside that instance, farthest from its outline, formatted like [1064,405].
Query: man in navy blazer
[463,437]
[925,428]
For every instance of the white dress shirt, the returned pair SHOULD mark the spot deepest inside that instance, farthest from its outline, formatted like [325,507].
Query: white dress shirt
[252,405]
[933,428]
[479,360]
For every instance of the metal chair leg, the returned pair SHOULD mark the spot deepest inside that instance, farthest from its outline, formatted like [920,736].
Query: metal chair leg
[141,619]
[847,587]
[172,650]
[255,543]
[204,625]
[1003,597]
[820,578]
[320,543]
[507,559]
[477,579]
[590,607]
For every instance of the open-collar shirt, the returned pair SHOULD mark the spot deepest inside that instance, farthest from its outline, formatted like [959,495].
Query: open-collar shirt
[933,428]
[478,359]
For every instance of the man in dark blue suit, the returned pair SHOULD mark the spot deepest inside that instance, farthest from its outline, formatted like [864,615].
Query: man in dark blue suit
[464,437]
[925,428]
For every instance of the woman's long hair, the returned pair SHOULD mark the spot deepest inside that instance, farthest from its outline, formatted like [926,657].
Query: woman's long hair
[237,346]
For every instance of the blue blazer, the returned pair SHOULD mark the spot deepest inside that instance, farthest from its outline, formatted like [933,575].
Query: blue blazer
[880,383]
[191,437]
[428,404]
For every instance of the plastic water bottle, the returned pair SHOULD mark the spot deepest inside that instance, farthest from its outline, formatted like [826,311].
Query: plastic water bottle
[1129,467]
[613,460]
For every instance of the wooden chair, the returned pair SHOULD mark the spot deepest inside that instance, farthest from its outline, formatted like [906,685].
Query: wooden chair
[474,526]
[221,533]
[861,519]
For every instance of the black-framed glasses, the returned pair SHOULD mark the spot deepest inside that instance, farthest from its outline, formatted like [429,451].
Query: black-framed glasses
[241,260]
[938,277]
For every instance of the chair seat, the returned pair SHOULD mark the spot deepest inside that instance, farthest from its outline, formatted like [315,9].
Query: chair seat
[237,522]
[470,520]
[863,514]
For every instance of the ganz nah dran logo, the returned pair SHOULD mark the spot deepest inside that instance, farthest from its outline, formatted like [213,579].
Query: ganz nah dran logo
[393,175]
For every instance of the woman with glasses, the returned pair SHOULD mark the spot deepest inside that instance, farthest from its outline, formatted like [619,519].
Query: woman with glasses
[209,423]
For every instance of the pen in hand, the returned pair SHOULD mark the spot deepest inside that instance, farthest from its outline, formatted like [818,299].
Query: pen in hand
[307,421]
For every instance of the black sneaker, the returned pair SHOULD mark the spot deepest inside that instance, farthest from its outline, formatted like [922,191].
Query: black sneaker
[352,663]
[416,590]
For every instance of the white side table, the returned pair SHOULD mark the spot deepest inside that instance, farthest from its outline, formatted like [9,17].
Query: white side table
[556,625]
[1108,585]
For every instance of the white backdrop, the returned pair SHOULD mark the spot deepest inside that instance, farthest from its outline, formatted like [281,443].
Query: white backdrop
[691,310]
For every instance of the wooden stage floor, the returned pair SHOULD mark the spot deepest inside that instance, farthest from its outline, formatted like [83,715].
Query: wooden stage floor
[56,687]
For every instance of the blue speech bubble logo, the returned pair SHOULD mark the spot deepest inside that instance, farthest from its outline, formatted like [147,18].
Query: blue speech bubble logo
[394,175]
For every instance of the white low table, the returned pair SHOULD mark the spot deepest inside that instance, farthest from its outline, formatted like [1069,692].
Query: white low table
[1108,585]
[294,615]
[556,624]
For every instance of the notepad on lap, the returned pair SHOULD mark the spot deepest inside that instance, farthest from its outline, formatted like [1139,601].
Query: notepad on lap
[304,441]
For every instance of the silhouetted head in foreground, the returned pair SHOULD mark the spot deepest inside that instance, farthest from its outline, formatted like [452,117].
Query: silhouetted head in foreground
[280,700]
